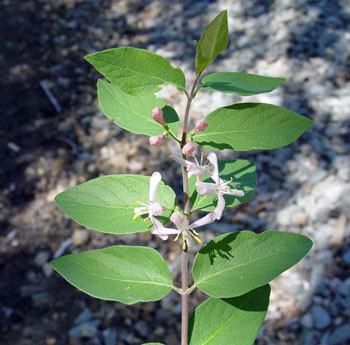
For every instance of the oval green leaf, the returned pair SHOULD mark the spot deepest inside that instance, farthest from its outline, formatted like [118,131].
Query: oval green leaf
[233,264]
[136,71]
[120,273]
[107,203]
[134,113]
[212,42]
[232,321]
[243,84]
[249,126]
[243,173]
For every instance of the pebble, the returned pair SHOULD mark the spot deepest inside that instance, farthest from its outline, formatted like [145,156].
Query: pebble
[110,336]
[321,317]
[340,335]
[141,328]
[307,321]
[85,315]
[80,237]
[41,258]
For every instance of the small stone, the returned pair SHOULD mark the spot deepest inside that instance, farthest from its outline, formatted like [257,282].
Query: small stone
[141,328]
[47,269]
[344,288]
[64,82]
[159,331]
[321,317]
[307,321]
[308,338]
[41,299]
[80,237]
[110,336]
[85,315]
[340,335]
[89,329]
[41,258]
[50,341]
[346,256]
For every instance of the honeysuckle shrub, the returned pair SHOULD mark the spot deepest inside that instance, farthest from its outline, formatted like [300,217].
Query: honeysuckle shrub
[233,269]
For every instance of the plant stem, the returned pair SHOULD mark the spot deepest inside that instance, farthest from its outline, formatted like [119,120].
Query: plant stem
[184,268]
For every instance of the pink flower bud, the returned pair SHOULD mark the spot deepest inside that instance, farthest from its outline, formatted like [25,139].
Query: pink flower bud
[156,140]
[157,114]
[201,125]
[188,149]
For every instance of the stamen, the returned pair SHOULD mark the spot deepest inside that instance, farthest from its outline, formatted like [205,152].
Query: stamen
[145,198]
[146,219]
[197,239]
[202,156]
[137,200]
[135,217]
[184,245]
[185,234]
[177,237]
[195,232]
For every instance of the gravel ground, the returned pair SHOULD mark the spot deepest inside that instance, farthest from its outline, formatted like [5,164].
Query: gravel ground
[48,147]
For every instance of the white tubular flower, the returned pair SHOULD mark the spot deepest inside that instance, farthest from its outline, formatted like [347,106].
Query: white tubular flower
[154,208]
[218,188]
[183,228]
[193,168]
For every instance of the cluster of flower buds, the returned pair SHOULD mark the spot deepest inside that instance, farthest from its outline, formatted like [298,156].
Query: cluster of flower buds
[188,148]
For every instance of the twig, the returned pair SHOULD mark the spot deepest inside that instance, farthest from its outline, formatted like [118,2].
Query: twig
[50,96]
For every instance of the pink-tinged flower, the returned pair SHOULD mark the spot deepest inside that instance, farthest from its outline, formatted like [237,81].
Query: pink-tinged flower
[157,114]
[193,168]
[188,149]
[218,188]
[201,125]
[156,140]
[154,208]
[184,229]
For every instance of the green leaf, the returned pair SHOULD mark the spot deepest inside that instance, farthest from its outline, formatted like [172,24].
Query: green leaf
[107,203]
[248,126]
[153,344]
[243,173]
[136,71]
[243,84]
[134,113]
[120,273]
[235,263]
[213,41]
[232,321]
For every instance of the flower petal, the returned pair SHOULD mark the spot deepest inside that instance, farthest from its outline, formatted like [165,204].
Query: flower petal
[141,210]
[235,192]
[181,161]
[153,185]
[207,219]
[214,161]
[180,221]
[220,206]
[195,169]
[205,188]
[156,209]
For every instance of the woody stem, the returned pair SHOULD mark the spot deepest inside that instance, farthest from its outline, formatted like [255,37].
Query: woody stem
[184,268]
